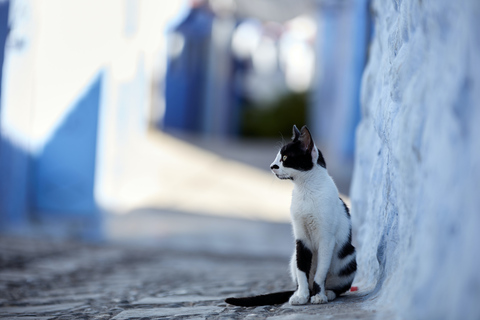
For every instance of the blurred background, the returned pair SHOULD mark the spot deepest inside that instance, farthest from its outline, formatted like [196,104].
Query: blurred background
[136,119]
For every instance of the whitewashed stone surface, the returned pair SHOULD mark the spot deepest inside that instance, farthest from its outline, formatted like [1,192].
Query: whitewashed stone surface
[416,186]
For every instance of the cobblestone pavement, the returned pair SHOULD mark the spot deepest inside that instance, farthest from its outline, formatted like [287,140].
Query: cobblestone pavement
[53,280]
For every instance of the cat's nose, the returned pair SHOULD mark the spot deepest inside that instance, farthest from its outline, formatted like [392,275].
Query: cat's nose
[274,166]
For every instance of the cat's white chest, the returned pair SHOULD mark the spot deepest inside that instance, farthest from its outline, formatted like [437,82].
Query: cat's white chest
[304,203]
[305,216]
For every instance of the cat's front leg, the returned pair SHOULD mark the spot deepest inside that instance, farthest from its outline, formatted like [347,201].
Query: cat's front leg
[323,264]
[299,298]
[318,296]
[302,294]
[301,264]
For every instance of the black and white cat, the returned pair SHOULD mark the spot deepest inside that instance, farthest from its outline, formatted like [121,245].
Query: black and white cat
[323,265]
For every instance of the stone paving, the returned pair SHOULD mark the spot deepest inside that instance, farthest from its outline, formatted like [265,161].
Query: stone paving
[157,264]
[65,280]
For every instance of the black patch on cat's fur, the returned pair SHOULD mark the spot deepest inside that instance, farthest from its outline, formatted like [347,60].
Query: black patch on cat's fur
[346,208]
[296,133]
[304,257]
[315,289]
[348,269]
[347,248]
[321,160]
[297,157]
[261,300]
[338,291]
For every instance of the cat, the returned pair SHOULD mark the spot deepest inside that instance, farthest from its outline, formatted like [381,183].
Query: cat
[323,264]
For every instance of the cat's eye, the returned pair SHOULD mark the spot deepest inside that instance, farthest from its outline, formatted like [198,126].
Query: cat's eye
[284,158]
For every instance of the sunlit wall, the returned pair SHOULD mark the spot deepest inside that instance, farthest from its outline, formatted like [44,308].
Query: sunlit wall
[76,90]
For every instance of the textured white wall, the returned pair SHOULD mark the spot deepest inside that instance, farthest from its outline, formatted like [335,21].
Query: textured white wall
[416,186]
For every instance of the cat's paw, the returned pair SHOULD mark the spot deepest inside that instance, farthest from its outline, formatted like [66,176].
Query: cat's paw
[298,298]
[330,295]
[319,298]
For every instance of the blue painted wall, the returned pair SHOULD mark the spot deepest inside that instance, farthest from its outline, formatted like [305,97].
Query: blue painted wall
[64,171]
[4,29]
[186,77]
[14,161]
[342,46]
[52,191]
[14,182]
[415,191]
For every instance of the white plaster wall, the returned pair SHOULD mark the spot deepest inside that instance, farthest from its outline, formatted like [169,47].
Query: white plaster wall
[416,187]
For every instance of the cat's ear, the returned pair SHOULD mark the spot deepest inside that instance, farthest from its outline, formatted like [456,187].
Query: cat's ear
[306,139]
[296,133]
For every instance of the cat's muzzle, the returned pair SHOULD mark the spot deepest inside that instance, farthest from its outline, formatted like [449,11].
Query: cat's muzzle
[283,177]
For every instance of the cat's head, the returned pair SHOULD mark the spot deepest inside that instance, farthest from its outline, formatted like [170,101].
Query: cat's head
[298,156]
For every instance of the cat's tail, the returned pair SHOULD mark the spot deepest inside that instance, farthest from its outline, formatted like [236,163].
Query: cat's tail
[261,300]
